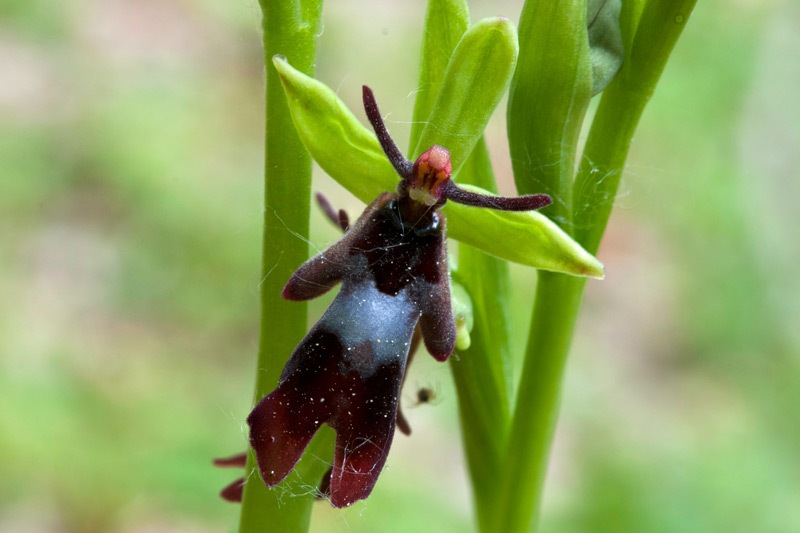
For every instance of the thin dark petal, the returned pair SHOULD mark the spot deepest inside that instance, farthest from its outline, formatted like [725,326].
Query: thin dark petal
[234,461]
[402,423]
[339,218]
[327,208]
[396,158]
[344,220]
[364,432]
[233,492]
[527,202]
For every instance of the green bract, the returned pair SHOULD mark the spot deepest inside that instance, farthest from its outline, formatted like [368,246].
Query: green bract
[475,80]
[548,100]
[350,154]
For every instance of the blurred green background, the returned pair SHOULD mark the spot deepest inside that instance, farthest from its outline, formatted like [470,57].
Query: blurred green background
[130,211]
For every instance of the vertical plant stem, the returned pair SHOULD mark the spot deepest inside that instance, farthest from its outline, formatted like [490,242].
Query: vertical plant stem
[549,96]
[290,28]
[618,114]
[554,313]
[481,372]
[558,297]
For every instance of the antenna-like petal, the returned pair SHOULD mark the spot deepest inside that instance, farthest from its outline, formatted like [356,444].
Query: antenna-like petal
[396,157]
[528,202]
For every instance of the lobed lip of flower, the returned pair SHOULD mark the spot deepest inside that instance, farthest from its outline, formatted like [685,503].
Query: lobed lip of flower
[362,411]
[348,371]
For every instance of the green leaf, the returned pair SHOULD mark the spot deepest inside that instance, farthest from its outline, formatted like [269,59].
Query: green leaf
[605,41]
[445,24]
[476,78]
[350,154]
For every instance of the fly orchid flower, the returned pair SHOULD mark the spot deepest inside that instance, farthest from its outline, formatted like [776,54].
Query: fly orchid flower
[348,370]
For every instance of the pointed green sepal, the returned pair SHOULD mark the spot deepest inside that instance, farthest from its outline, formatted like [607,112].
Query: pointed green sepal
[526,237]
[446,21]
[338,142]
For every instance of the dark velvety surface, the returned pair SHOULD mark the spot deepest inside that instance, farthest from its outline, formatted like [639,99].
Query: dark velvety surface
[348,370]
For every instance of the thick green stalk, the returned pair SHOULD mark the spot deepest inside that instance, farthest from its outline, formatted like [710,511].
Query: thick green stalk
[290,28]
[549,96]
[555,309]
[481,372]
[558,297]
[618,114]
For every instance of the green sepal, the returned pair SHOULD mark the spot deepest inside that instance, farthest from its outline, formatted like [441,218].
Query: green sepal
[605,41]
[338,142]
[526,237]
[351,155]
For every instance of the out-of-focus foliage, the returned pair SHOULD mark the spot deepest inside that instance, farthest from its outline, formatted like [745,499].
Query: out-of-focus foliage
[130,149]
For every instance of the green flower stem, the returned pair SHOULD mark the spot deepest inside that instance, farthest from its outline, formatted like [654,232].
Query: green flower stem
[549,96]
[618,114]
[558,297]
[555,309]
[481,372]
[290,28]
